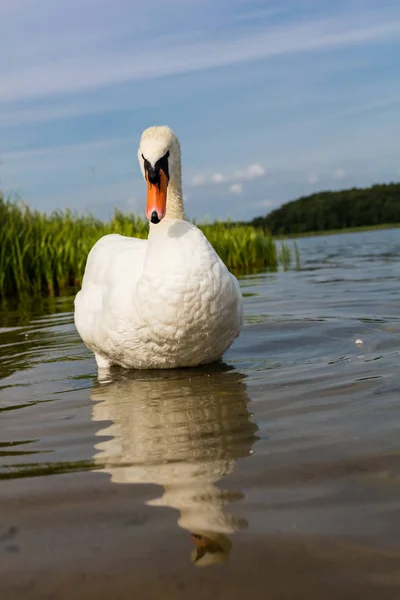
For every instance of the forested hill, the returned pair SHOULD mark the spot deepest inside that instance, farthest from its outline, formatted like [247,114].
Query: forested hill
[377,205]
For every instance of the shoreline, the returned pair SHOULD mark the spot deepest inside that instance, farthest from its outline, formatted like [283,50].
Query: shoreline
[360,229]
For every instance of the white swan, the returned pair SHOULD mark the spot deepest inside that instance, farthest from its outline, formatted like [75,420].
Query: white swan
[165,302]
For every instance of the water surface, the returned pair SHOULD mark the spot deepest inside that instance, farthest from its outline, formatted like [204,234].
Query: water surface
[276,473]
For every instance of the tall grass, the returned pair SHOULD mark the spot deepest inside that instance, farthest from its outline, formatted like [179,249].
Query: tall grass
[242,248]
[41,253]
[297,255]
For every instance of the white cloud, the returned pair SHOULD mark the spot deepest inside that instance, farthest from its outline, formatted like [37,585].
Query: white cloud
[51,151]
[250,172]
[236,188]
[313,178]
[339,174]
[217,178]
[198,180]
[62,156]
[65,68]
[264,204]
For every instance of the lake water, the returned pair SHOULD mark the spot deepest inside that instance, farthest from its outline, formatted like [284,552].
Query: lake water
[275,475]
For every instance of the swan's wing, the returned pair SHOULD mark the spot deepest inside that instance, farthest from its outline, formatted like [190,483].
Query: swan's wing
[113,267]
[108,255]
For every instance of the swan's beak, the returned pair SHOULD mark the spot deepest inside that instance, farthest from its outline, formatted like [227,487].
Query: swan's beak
[156,198]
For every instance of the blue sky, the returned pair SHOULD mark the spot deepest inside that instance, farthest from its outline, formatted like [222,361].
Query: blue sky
[271,99]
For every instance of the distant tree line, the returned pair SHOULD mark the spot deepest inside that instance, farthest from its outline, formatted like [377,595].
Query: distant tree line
[376,205]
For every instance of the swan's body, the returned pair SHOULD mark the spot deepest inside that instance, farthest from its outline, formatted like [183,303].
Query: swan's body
[165,302]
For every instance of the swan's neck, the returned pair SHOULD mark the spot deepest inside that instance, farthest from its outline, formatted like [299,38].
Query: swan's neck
[174,196]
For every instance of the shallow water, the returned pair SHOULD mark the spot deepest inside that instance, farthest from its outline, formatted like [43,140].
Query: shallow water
[279,469]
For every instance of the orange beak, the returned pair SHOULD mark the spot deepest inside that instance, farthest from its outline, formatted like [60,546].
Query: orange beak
[156,198]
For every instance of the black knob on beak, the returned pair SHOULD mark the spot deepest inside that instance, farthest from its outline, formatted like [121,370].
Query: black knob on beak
[154,217]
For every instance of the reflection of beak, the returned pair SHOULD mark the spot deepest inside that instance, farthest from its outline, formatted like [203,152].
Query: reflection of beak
[156,197]
[211,548]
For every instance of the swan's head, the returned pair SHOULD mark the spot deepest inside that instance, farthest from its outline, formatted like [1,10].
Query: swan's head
[159,157]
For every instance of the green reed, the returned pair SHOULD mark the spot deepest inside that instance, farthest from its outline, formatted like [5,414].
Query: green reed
[297,255]
[46,253]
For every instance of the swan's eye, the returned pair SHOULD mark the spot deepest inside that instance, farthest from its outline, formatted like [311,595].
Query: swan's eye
[153,173]
[162,163]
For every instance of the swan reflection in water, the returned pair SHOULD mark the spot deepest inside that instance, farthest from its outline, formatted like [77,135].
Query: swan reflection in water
[183,430]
